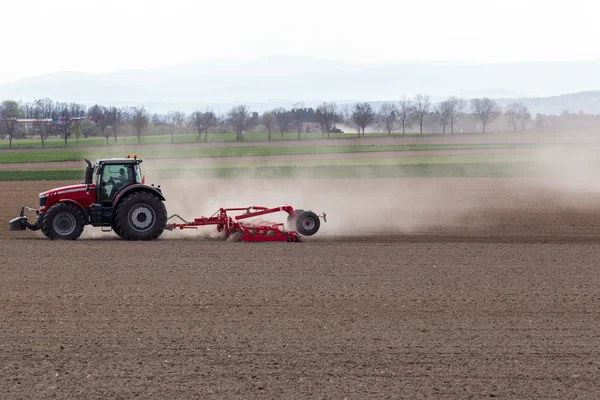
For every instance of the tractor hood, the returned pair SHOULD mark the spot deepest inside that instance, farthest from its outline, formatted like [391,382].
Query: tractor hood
[66,189]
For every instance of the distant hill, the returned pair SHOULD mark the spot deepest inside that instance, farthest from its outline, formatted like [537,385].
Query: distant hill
[267,82]
[588,102]
[492,93]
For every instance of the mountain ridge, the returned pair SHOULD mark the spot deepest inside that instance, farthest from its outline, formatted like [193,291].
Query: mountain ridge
[285,79]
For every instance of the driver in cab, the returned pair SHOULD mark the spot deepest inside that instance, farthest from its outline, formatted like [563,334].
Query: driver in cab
[119,180]
[114,184]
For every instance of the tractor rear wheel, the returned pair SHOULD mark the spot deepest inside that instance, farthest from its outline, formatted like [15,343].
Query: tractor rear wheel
[140,216]
[307,223]
[62,222]
[113,226]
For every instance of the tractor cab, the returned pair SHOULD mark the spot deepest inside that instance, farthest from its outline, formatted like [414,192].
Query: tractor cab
[114,174]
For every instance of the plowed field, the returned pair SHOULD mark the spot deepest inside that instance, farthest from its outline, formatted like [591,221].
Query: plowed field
[430,288]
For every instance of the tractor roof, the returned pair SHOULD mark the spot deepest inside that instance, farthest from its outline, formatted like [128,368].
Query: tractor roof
[118,161]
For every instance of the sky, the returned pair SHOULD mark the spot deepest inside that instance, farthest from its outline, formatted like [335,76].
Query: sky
[40,37]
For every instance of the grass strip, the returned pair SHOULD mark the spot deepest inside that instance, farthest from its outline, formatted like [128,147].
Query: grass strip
[15,157]
[186,137]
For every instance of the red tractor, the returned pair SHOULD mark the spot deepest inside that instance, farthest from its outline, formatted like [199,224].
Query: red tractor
[113,195]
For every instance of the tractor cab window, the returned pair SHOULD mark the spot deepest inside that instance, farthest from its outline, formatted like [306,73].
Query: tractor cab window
[138,174]
[114,178]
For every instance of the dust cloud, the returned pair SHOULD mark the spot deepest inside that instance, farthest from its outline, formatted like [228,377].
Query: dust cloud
[353,206]
[558,178]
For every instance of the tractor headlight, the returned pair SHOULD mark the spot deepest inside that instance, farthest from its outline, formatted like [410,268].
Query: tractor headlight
[43,199]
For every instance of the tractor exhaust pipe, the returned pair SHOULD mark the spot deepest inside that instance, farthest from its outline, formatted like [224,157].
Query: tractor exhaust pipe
[89,173]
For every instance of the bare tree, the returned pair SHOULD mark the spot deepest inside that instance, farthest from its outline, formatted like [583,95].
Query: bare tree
[326,116]
[444,109]
[211,121]
[10,110]
[65,124]
[269,120]
[362,116]
[104,119]
[422,104]
[40,111]
[196,121]
[158,123]
[203,121]
[238,118]
[62,125]
[456,108]
[449,110]
[388,116]
[526,119]
[515,112]
[284,119]
[117,116]
[221,119]
[140,118]
[406,113]
[174,121]
[486,110]
[75,130]
[158,119]
[298,113]
[89,128]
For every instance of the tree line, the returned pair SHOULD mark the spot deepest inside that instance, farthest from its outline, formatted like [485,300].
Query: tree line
[417,113]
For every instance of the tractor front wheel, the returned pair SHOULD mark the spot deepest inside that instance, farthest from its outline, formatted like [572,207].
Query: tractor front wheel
[62,222]
[140,216]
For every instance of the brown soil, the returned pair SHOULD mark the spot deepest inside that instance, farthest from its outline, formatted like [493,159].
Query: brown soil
[444,288]
[190,162]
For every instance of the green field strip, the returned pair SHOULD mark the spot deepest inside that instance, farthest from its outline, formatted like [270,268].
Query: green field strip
[185,137]
[501,169]
[14,157]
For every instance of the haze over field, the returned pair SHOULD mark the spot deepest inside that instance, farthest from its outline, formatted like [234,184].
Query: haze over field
[266,54]
[273,81]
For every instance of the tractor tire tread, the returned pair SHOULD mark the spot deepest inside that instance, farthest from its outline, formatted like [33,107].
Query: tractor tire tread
[122,226]
[300,226]
[47,228]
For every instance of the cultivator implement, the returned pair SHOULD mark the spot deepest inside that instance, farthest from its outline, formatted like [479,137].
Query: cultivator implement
[239,227]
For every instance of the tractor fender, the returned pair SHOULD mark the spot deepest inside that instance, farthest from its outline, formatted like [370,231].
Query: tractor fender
[137,188]
[76,204]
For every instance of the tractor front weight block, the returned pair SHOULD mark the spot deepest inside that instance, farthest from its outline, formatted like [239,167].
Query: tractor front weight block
[18,224]
[21,222]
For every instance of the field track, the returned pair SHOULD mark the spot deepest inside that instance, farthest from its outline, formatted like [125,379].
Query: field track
[431,288]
